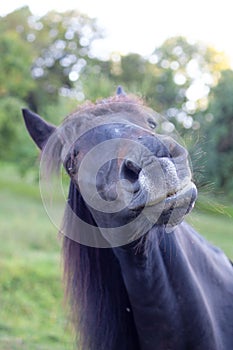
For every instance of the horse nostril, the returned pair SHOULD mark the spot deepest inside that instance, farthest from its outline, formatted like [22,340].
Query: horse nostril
[132,166]
[130,170]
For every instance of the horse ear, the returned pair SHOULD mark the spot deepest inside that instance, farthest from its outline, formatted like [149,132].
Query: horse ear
[37,127]
[120,91]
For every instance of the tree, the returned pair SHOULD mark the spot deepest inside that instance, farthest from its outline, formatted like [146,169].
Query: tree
[48,65]
[16,82]
[187,72]
[219,133]
[41,60]
[16,57]
[46,54]
[63,42]
[175,80]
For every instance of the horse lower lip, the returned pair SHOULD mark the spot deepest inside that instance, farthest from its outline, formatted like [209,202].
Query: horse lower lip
[186,189]
[185,197]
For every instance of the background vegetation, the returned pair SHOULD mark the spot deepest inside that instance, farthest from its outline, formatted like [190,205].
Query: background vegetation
[47,64]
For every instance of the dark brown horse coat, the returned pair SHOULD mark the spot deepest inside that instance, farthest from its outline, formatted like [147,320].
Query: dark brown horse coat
[163,289]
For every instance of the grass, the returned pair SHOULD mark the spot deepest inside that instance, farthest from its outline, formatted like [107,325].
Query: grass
[213,218]
[31,306]
[31,312]
[218,229]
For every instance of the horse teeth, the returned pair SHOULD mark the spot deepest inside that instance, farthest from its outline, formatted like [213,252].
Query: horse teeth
[171,194]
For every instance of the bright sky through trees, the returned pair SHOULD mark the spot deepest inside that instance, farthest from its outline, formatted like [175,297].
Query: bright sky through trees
[141,26]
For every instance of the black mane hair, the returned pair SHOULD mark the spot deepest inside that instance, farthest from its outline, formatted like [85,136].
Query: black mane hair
[99,304]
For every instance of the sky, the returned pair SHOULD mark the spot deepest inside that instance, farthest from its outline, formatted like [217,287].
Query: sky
[141,26]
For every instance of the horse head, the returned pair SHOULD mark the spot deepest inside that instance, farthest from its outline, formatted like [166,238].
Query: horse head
[130,172]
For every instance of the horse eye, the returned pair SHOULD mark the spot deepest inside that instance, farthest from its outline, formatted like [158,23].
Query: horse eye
[69,166]
[152,123]
[71,163]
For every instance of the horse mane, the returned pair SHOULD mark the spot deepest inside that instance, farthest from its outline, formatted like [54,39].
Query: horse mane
[95,291]
[81,120]
[108,105]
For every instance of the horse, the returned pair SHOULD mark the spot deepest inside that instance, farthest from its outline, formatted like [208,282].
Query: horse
[137,276]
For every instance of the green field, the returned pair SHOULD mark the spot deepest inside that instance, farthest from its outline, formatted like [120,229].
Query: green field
[31,307]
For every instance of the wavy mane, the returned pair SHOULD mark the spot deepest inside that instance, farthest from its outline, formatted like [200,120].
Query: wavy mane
[95,291]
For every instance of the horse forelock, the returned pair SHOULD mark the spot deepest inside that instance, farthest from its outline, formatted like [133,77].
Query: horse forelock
[83,119]
[109,105]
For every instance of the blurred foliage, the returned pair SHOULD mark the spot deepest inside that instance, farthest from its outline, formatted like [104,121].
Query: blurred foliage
[47,64]
[175,79]
[220,133]
[9,120]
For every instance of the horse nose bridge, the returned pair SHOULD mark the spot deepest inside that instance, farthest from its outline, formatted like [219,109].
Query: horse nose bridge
[156,146]
[153,156]
[142,153]
[176,151]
